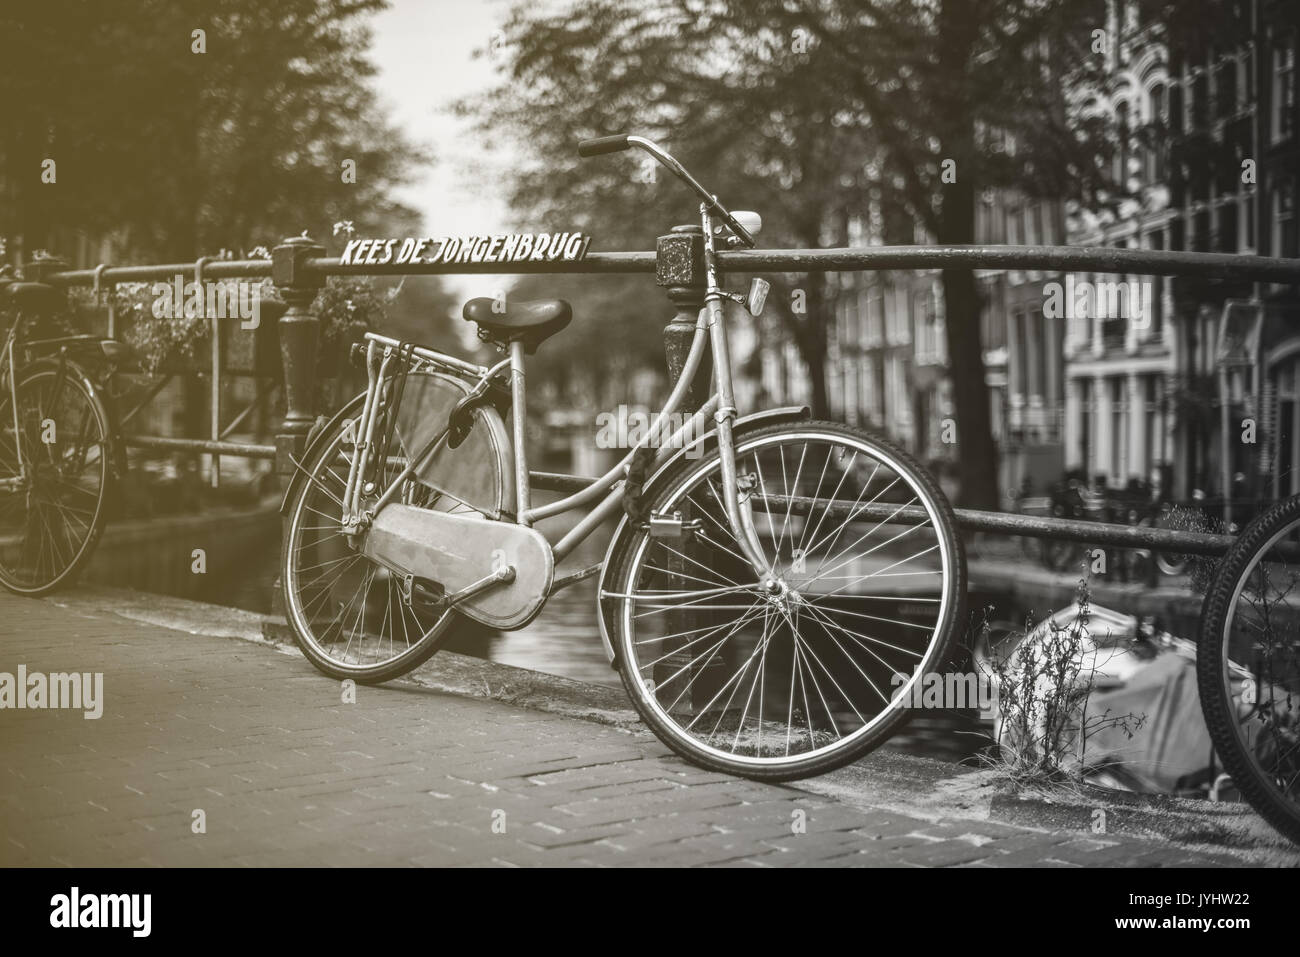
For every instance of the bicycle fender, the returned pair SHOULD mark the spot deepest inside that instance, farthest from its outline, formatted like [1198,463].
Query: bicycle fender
[484,416]
[789,413]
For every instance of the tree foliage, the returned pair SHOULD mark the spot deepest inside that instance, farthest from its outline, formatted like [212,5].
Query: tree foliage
[809,111]
[177,152]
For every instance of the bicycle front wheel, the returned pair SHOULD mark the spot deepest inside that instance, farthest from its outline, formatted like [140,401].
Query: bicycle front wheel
[55,477]
[790,676]
[1248,664]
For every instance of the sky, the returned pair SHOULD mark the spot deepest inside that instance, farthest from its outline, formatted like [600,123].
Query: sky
[424,50]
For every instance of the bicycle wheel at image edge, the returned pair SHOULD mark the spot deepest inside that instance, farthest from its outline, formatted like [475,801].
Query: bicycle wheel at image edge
[1248,665]
[347,613]
[52,516]
[794,679]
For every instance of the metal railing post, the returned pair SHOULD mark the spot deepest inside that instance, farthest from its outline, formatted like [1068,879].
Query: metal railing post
[39,270]
[299,331]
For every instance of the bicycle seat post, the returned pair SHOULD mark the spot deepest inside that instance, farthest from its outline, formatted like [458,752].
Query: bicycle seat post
[518,420]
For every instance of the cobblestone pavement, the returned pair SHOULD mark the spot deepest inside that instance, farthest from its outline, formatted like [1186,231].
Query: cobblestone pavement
[285,773]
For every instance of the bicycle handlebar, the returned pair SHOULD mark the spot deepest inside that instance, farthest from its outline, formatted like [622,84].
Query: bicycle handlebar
[623,141]
[603,144]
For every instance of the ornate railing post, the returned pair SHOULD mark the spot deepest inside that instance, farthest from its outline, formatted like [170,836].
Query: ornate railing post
[299,338]
[39,270]
[679,268]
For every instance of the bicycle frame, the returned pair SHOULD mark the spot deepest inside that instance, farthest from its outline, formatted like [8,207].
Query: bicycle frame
[605,492]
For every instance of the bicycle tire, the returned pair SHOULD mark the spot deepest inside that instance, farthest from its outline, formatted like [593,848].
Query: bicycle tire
[76,377]
[1213,664]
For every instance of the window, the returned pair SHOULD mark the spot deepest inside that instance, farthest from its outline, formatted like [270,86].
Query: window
[994,317]
[1225,88]
[903,314]
[926,341]
[1118,429]
[875,318]
[857,231]
[849,322]
[1227,238]
[1038,353]
[1020,386]
[1085,423]
[1201,231]
[1153,167]
[848,389]
[1246,235]
[1158,103]
[867,390]
[1154,425]
[1119,171]
[878,396]
[1156,240]
[1283,123]
[1284,220]
[1199,101]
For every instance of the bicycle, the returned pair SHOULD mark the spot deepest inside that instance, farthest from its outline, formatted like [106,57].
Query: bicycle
[1248,664]
[59,452]
[769,583]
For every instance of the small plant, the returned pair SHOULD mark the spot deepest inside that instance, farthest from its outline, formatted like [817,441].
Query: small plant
[1044,687]
[158,341]
[346,306]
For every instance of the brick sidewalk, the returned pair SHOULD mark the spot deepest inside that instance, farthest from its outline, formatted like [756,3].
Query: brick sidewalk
[287,774]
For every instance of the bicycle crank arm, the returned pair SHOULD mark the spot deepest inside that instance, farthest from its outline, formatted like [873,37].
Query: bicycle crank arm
[502,576]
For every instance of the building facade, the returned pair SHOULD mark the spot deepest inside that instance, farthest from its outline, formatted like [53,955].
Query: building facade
[1121,357]
[1203,381]
[1191,382]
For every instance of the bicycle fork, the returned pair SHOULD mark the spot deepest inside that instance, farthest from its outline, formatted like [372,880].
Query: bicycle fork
[739,514]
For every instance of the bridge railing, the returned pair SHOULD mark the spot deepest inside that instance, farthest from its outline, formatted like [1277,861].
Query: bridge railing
[299,268]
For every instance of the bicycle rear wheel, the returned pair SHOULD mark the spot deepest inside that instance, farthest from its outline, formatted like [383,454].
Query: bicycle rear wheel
[794,678]
[1248,664]
[349,614]
[55,477]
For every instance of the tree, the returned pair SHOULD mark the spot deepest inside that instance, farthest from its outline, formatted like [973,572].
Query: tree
[783,105]
[181,143]
[937,86]
[749,121]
